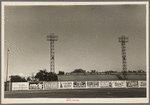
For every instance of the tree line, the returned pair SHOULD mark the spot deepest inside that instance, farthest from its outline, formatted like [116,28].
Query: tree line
[43,75]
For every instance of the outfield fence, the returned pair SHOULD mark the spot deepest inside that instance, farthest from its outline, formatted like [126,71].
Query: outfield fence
[48,85]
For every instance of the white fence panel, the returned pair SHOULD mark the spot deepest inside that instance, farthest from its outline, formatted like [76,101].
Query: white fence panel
[20,86]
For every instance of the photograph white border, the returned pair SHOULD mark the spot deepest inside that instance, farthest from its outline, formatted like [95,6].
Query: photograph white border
[81,100]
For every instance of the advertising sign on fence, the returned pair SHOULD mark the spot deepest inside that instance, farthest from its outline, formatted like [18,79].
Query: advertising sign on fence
[106,84]
[66,85]
[132,84]
[20,86]
[92,84]
[47,85]
[142,84]
[79,84]
[54,85]
[37,85]
[50,85]
[119,84]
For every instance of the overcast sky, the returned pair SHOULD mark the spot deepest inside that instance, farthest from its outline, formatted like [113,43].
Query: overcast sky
[87,37]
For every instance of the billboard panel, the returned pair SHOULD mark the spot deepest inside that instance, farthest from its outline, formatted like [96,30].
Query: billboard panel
[92,84]
[79,84]
[119,84]
[132,84]
[142,84]
[106,84]
[54,85]
[36,85]
[65,85]
[50,85]
[20,86]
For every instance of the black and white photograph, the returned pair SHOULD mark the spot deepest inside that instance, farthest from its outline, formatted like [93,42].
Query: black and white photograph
[75,52]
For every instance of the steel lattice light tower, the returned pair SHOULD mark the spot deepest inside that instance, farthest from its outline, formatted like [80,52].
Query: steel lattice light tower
[123,41]
[52,38]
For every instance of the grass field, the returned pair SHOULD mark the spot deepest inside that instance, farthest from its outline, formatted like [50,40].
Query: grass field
[79,93]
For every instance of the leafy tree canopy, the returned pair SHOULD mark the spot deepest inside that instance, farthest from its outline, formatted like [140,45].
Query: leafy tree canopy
[17,78]
[43,75]
[28,79]
[79,71]
[61,73]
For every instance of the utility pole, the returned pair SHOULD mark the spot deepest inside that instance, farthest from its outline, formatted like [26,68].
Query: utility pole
[123,41]
[7,87]
[33,77]
[7,64]
[52,38]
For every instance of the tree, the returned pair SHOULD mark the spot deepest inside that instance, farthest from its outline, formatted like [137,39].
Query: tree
[17,78]
[129,71]
[106,72]
[140,71]
[61,73]
[134,71]
[93,71]
[111,71]
[79,71]
[52,77]
[28,79]
[43,75]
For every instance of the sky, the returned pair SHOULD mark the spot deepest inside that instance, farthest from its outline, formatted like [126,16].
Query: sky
[87,37]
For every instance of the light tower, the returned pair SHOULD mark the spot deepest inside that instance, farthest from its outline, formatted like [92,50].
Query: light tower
[123,41]
[52,38]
